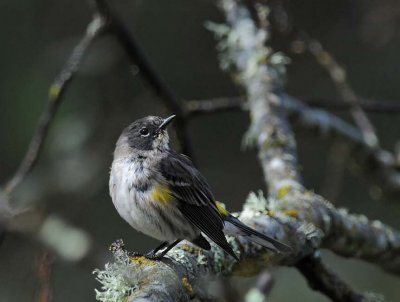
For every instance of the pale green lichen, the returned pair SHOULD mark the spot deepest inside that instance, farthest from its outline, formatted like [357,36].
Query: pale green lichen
[313,234]
[117,281]
[255,202]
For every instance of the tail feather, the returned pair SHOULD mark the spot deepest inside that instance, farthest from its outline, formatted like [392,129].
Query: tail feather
[239,228]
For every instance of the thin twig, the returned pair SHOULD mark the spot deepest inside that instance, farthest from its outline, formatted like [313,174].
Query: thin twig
[336,72]
[56,92]
[217,105]
[373,106]
[45,268]
[238,103]
[322,279]
[137,57]
[339,78]
[379,164]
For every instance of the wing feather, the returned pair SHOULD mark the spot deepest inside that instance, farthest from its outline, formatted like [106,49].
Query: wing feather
[195,200]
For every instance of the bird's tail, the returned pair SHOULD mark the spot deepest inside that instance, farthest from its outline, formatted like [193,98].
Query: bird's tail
[234,226]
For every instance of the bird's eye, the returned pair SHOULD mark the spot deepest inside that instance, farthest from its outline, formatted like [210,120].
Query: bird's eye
[144,131]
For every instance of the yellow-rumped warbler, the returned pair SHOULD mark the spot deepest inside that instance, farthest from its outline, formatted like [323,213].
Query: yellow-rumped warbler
[160,193]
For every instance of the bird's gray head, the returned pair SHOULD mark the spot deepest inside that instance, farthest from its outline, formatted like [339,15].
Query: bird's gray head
[148,133]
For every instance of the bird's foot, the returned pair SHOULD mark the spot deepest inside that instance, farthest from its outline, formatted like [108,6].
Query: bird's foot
[154,256]
[134,254]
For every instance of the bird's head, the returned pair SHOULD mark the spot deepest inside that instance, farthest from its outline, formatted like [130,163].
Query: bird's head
[146,134]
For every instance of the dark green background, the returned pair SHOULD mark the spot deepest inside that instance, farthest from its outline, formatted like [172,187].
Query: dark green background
[71,178]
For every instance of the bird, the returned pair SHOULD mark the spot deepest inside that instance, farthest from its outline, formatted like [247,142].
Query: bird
[161,193]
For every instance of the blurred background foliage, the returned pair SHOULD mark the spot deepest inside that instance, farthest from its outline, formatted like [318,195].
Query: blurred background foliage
[71,178]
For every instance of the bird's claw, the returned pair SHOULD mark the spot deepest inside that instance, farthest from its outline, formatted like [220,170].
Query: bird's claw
[134,254]
[153,256]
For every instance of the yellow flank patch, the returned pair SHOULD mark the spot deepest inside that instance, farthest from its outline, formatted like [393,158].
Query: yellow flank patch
[162,195]
[221,208]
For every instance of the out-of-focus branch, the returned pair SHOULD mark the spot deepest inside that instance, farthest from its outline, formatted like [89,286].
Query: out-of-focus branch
[380,165]
[44,272]
[217,105]
[373,106]
[336,72]
[237,103]
[338,75]
[54,233]
[320,278]
[56,92]
[137,57]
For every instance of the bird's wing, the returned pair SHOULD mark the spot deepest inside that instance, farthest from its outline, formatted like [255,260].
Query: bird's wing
[195,200]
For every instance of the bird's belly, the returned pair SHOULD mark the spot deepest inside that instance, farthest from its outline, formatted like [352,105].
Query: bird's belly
[147,210]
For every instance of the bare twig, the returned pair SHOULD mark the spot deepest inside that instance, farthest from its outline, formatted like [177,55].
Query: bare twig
[137,57]
[237,103]
[338,76]
[56,92]
[45,268]
[373,106]
[321,279]
[380,165]
[217,105]
[336,72]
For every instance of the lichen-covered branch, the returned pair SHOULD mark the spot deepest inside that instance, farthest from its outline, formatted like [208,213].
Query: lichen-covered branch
[187,268]
[305,224]
[348,235]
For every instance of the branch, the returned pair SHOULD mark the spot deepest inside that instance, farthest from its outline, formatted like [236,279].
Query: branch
[137,57]
[33,223]
[378,164]
[336,72]
[217,105]
[339,78]
[271,133]
[237,103]
[373,106]
[304,224]
[56,93]
[320,278]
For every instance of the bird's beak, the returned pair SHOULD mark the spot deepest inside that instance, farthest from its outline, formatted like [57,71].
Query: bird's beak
[165,123]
